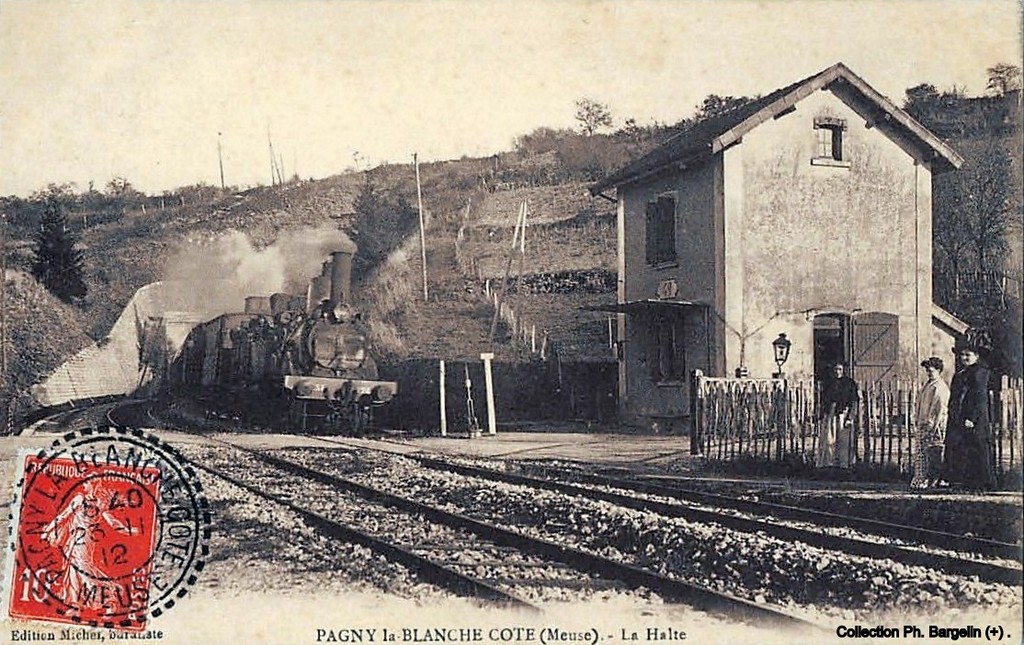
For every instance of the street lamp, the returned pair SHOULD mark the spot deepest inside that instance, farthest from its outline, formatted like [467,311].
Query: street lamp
[781,346]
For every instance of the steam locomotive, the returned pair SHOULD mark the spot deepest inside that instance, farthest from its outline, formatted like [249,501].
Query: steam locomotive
[311,351]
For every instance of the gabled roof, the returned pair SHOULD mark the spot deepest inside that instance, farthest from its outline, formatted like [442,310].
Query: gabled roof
[710,136]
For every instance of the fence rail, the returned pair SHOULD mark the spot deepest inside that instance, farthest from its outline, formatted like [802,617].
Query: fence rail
[778,419]
[950,287]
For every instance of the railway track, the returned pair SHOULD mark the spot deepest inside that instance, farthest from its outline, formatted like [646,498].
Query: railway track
[482,570]
[863,536]
[742,515]
[916,534]
[479,559]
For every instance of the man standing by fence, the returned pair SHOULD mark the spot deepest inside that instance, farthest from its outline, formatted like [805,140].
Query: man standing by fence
[838,405]
[968,461]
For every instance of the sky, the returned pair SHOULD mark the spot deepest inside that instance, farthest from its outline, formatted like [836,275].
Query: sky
[147,90]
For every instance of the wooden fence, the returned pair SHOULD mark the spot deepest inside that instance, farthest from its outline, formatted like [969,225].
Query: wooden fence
[778,419]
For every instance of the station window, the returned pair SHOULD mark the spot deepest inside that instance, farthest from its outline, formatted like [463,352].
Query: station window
[661,229]
[829,146]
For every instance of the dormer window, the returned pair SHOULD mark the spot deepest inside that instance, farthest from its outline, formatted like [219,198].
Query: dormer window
[829,145]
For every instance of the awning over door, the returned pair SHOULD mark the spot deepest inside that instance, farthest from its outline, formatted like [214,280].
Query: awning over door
[641,306]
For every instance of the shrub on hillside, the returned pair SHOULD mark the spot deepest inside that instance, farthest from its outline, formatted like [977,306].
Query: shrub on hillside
[42,332]
[384,219]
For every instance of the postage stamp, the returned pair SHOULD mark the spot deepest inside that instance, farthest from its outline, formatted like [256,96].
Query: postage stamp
[109,527]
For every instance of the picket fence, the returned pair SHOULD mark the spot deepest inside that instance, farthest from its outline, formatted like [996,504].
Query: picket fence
[774,419]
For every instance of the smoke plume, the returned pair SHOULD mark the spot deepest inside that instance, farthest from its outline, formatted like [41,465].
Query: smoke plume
[215,274]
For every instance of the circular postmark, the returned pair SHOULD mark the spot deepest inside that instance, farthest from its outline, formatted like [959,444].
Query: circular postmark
[109,527]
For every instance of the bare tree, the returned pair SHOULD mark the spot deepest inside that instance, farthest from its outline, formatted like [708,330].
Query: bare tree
[592,116]
[972,214]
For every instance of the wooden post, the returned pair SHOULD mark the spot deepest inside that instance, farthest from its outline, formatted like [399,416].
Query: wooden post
[273,159]
[423,238]
[444,413]
[522,258]
[492,421]
[533,339]
[220,158]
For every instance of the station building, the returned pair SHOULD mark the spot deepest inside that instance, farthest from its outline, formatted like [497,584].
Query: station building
[806,212]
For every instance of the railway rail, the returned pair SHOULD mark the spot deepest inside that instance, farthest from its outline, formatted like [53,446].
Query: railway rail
[784,522]
[495,563]
[917,534]
[590,570]
[955,564]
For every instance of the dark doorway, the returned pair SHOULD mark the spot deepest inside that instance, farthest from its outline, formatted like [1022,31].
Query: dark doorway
[831,343]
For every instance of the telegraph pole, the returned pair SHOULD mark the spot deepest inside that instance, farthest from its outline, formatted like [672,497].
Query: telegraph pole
[423,238]
[220,158]
[273,159]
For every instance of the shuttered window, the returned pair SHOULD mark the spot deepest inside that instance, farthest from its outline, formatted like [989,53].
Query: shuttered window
[830,141]
[661,230]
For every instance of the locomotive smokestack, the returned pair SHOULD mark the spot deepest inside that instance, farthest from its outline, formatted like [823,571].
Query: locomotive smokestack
[341,274]
[341,277]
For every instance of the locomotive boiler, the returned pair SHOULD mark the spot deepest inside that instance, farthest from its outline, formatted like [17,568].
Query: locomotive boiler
[313,352]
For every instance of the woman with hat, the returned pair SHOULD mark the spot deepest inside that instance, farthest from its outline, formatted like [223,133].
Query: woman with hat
[968,462]
[932,402]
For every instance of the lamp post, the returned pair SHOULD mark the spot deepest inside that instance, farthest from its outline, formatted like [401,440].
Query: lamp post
[781,346]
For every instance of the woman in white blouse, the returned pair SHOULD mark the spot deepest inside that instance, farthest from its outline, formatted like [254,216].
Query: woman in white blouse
[932,404]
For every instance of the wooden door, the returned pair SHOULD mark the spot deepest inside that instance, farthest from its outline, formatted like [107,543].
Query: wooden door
[875,347]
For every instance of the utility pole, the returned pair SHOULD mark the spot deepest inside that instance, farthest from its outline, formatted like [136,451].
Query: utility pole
[220,158]
[520,224]
[423,237]
[273,159]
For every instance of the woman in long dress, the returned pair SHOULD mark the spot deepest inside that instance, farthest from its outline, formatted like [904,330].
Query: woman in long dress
[930,426]
[968,458]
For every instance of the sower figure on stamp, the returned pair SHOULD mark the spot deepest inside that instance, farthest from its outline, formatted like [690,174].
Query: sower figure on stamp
[839,398]
[85,582]
[968,461]
[930,426]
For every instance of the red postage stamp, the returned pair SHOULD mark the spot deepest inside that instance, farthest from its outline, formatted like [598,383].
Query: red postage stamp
[108,530]
[87,538]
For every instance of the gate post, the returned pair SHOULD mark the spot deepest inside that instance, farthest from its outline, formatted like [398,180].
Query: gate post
[696,440]
[441,393]
[492,425]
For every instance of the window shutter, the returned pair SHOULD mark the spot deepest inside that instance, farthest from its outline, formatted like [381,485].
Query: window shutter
[875,348]
[837,144]
[652,232]
[667,238]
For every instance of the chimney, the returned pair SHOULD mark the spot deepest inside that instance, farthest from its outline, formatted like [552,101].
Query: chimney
[341,278]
